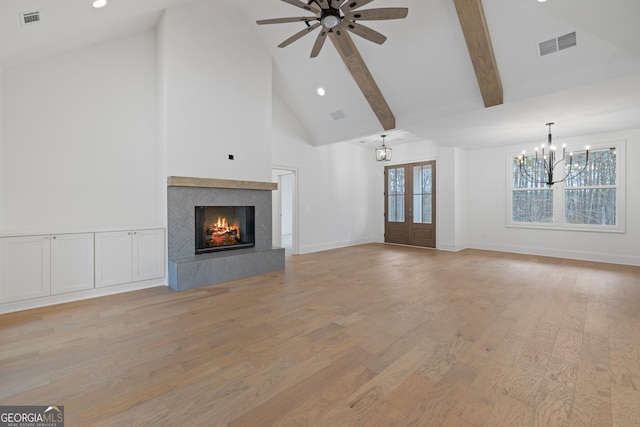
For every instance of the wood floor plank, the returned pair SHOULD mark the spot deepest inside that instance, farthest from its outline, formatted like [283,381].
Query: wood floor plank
[339,338]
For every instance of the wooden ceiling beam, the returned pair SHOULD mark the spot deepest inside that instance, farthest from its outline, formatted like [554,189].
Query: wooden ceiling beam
[361,74]
[476,34]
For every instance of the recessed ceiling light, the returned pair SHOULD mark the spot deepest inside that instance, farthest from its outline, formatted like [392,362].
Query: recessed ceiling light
[99,3]
[321,91]
[542,1]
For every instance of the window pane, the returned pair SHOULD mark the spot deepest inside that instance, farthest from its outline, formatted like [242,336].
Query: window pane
[531,175]
[426,209]
[533,206]
[422,182]
[590,206]
[600,171]
[395,185]
[396,209]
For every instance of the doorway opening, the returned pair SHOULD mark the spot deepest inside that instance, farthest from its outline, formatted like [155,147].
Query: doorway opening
[285,213]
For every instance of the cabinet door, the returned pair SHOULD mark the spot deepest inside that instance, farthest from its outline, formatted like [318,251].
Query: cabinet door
[71,262]
[148,254]
[24,268]
[113,258]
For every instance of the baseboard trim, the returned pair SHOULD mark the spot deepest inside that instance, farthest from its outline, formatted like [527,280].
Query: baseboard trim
[13,306]
[559,253]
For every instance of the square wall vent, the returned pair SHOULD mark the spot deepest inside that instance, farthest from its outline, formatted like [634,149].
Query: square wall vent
[557,44]
[29,18]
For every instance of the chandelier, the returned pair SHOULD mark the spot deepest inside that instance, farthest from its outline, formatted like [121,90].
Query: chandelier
[541,168]
[383,154]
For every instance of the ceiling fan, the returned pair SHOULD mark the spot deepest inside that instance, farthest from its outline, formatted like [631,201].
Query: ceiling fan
[336,18]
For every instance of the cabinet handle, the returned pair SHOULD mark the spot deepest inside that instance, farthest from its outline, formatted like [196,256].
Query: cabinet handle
[54,237]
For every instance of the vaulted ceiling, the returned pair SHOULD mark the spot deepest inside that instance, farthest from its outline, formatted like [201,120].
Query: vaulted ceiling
[435,88]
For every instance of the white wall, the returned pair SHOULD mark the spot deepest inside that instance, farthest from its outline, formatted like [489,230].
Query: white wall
[1,161]
[460,199]
[486,187]
[80,138]
[217,82]
[336,195]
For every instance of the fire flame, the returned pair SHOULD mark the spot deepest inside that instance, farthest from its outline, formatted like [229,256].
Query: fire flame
[222,224]
[223,228]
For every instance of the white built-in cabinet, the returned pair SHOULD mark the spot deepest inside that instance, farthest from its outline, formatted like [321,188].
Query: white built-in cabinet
[44,265]
[25,270]
[71,262]
[129,256]
[148,254]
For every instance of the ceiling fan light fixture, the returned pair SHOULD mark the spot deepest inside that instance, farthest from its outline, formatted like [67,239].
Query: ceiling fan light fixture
[330,21]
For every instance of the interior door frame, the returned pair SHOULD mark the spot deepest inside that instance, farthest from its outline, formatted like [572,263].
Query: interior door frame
[406,232]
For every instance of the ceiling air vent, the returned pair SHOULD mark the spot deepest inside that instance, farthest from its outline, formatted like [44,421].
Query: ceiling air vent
[337,115]
[554,45]
[567,41]
[29,18]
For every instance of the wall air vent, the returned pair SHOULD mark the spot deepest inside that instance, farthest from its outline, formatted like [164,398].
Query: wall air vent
[337,115]
[29,18]
[554,45]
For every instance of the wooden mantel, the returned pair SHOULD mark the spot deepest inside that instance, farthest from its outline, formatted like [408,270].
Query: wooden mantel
[185,181]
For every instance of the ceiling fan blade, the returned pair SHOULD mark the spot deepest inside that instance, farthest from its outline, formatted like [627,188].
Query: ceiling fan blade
[337,3]
[366,32]
[298,35]
[324,4]
[312,7]
[351,5]
[319,42]
[361,74]
[378,14]
[283,20]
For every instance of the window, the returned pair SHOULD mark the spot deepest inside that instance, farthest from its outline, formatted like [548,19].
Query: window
[592,200]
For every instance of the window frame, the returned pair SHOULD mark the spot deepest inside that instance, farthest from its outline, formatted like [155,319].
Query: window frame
[559,202]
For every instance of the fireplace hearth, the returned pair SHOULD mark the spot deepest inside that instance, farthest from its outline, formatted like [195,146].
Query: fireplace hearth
[219,228]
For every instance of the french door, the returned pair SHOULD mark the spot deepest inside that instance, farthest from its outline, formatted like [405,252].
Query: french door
[410,204]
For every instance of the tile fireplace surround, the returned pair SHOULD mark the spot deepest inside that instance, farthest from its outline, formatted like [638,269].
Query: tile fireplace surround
[189,271]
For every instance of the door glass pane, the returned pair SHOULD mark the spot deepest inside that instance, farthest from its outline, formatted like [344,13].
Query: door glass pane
[395,187]
[422,194]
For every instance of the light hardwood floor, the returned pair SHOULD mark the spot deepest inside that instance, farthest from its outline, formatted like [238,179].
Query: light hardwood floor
[372,335]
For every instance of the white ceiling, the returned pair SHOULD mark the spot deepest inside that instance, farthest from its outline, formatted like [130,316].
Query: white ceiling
[423,69]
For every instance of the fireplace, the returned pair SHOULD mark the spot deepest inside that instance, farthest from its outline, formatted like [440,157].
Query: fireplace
[219,228]
[190,270]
